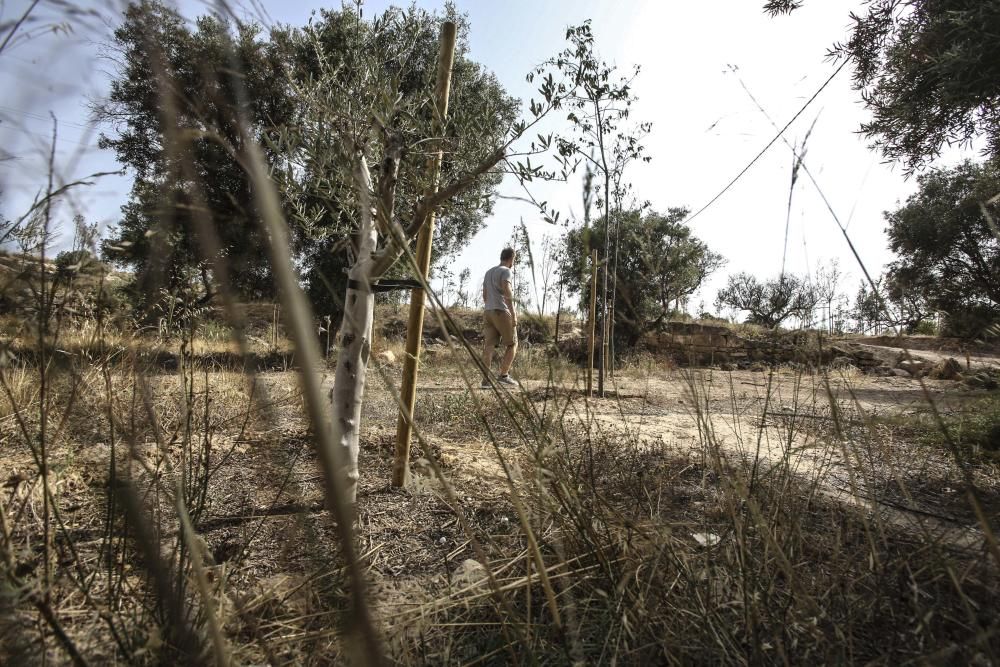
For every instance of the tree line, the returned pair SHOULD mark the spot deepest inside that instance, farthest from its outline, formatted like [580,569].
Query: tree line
[208,80]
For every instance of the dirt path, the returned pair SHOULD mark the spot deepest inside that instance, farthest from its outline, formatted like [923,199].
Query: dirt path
[678,410]
[973,362]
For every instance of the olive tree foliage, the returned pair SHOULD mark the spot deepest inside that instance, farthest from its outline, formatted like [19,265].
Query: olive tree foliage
[603,140]
[362,142]
[177,100]
[947,244]
[887,304]
[384,69]
[175,116]
[928,72]
[599,135]
[769,302]
[661,263]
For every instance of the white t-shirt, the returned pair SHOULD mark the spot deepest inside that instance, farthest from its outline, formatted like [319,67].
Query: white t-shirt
[493,287]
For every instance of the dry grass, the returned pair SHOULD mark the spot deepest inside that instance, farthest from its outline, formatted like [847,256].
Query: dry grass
[170,496]
[654,552]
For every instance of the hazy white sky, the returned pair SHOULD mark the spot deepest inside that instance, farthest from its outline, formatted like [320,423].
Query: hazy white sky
[705,127]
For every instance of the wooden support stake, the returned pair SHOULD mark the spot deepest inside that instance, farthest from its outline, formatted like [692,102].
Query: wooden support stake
[602,371]
[592,324]
[415,324]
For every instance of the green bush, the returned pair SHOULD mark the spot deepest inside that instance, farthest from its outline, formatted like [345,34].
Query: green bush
[972,322]
[976,429]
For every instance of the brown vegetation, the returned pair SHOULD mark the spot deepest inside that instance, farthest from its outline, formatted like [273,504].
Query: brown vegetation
[779,514]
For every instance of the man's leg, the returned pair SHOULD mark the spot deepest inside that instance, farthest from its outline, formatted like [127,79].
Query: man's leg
[491,336]
[488,349]
[508,359]
[509,336]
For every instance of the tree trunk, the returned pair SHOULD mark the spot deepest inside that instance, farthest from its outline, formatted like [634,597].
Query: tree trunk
[354,346]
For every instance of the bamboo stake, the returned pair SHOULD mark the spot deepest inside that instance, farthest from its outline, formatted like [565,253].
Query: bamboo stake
[605,327]
[592,325]
[415,324]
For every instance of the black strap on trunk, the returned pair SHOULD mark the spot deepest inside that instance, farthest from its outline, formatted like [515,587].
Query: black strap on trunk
[384,285]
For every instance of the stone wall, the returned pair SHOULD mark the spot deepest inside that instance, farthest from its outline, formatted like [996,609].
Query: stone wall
[692,344]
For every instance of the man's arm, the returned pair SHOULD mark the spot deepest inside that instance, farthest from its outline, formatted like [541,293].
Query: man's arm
[508,298]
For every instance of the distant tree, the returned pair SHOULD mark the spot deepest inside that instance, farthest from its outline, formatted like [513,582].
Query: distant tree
[869,310]
[927,71]
[601,138]
[890,304]
[327,65]
[175,105]
[174,111]
[544,273]
[948,250]
[464,286]
[827,283]
[661,262]
[444,273]
[538,262]
[77,259]
[771,302]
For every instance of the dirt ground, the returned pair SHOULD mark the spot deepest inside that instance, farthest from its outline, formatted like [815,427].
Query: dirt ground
[264,514]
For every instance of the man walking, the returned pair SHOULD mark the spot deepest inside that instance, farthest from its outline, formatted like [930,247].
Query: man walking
[500,317]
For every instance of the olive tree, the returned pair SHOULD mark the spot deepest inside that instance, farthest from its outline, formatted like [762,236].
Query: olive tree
[356,136]
[769,302]
[927,71]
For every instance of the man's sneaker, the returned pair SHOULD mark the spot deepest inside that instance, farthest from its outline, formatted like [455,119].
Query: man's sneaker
[485,384]
[507,379]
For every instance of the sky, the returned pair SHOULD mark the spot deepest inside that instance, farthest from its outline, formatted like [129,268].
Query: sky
[697,59]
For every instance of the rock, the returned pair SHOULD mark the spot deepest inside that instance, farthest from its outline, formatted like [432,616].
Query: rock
[706,539]
[386,358]
[900,372]
[946,369]
[981,381]
[840,350]
[915,367]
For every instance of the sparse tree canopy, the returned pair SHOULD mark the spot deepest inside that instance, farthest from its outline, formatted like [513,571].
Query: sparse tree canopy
[928,71]
[175,107]
[334,72]
[660,263]
[948,251]
[771,302]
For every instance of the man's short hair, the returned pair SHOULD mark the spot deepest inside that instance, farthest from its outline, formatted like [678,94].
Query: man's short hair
[506,254]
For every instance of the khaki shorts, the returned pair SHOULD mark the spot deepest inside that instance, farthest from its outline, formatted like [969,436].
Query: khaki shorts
[499,328]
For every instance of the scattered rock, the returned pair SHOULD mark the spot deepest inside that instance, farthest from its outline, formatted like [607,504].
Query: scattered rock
[981,381]
[706,539]
[915,367]
[840,350]
[946,369]
[900,373]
